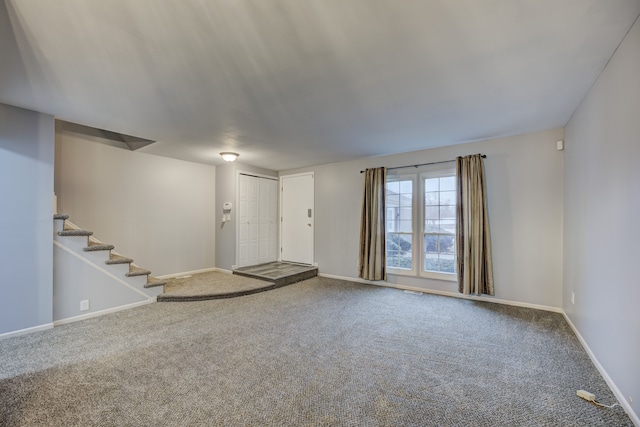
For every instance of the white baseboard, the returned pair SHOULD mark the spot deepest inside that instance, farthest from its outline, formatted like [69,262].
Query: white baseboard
[222,270]
[103,312]
[612,385]
[26,331]
[186,273]
[445,293]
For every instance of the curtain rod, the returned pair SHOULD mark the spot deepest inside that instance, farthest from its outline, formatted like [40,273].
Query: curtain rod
[484,156]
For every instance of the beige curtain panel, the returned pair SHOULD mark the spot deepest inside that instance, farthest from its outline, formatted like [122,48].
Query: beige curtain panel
[372,260]
[473,242]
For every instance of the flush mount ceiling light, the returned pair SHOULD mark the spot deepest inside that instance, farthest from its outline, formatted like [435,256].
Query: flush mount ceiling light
[229,156]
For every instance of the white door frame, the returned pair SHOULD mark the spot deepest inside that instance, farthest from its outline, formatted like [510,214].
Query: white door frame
[313,219]
[237,209]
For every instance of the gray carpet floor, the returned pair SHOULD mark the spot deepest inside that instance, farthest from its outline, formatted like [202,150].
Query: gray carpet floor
[210,285]
[317,353]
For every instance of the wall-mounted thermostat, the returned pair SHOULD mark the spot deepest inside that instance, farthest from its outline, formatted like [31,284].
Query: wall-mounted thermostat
[226,211]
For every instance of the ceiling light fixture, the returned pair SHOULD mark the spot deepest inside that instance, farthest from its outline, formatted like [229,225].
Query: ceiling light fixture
[229,156]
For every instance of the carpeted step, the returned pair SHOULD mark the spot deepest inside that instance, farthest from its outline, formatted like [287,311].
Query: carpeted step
[152,281]
[95,246]
[118,259]
[137,271]
[75,232]
[61,216]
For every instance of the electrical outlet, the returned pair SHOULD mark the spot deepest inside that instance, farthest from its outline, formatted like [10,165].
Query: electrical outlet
[573,297]
[84,305]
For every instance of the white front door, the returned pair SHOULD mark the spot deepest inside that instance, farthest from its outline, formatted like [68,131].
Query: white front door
[298,215]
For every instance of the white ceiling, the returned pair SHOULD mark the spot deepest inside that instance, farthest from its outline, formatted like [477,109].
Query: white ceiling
[292,83]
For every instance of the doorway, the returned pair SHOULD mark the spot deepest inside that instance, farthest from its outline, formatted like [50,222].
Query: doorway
[257,220]
[297,218]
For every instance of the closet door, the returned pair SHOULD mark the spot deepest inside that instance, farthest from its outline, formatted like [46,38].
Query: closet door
[268,226]
[257,220]
[248,223]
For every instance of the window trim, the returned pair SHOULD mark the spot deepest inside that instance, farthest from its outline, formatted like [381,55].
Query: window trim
[403,271]
[418,229]
[434,173]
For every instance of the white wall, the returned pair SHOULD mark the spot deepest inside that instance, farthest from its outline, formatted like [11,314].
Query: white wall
[525,192]
[156,210]
[226,232]
[226,191]
[75,280]
[26,228]
[602,218]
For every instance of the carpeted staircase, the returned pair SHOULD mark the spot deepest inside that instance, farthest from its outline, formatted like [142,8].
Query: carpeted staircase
[93,244]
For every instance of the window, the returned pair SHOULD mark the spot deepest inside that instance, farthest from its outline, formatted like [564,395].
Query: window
[439,232]
[421,223]
[399,227]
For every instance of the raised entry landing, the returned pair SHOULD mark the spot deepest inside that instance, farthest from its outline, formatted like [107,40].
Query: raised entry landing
[280,273]
[244,281]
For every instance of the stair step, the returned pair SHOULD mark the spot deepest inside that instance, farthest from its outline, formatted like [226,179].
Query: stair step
[152,281]
[94,246]
[61,216]
[137,271]
[74,232]
[117,259]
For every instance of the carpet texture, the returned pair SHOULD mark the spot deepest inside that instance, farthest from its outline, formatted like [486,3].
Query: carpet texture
[211,285]
[317,353]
